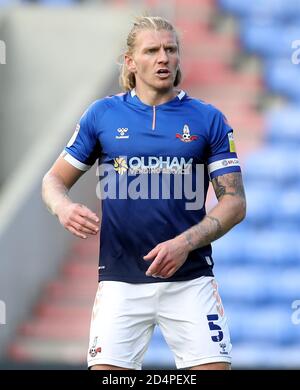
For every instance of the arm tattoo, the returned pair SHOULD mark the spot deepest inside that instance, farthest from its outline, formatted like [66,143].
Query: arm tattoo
[229,184]
[219,230]
[212,228]
[208,230]
[188,237]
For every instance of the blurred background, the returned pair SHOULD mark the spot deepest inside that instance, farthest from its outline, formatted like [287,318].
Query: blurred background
[56,57]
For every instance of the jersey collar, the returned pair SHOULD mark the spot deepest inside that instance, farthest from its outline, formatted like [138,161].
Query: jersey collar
[135,99]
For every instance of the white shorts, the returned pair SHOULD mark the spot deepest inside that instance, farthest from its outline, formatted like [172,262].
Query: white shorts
[189,314]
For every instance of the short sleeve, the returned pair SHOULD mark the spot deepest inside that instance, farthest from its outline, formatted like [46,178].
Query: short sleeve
[83,149]
[222,157]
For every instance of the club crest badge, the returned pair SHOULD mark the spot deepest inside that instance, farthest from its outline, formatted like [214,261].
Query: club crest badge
[94,350]
[186,136]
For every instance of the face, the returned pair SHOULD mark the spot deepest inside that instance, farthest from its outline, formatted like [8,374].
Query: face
[155,60]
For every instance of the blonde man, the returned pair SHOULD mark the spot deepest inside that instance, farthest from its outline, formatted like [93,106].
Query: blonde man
[155,265]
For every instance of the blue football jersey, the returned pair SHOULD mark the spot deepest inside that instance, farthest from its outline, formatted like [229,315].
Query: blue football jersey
[155,163]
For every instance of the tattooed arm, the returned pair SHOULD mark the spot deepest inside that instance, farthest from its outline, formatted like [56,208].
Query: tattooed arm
[168,256]
[230,210]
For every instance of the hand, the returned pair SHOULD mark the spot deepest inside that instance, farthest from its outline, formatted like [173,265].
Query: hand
[168,257]
[77,219]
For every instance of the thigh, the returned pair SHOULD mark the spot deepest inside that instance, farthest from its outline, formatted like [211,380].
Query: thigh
[193,322]
[212,366]
[121,326]
[105,367]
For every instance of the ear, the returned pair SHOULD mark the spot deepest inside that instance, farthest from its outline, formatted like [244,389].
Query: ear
[129,61]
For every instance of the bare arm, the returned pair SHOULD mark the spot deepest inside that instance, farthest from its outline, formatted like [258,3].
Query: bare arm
[170,255]
[74,217]
[230,210]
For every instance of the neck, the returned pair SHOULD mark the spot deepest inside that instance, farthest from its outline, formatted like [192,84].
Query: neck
[154,97]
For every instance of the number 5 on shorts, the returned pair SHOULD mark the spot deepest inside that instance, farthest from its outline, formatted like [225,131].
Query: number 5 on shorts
[212,326]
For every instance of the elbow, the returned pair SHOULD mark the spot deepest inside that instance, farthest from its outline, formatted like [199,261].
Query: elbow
[44,180]
[241,210]
[44,185]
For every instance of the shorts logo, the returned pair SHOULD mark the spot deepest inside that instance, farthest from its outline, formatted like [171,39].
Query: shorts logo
[223,347]
[94,350]
[186,136]
[122,131]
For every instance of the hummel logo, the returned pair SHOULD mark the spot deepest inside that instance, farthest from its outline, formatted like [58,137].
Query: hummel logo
[122,131]
[223,346]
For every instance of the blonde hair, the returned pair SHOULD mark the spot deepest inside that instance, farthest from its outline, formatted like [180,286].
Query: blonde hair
[157,23]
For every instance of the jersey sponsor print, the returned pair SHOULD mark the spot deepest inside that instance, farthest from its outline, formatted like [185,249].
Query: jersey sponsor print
[155,164]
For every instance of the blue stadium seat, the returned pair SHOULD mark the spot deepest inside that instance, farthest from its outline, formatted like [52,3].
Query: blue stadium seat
[279,9]
[284,285]
[264,257]
[283,126]
[268,39]
[268,204]
[273,165]
[242,284]
[228,249]
[288,206]
[290,356]
[263,323]
[257,284]
[265,355]
[260,203]
[283,77]
[251,355]
[272,247]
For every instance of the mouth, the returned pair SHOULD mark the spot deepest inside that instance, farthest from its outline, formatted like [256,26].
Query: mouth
[163,73]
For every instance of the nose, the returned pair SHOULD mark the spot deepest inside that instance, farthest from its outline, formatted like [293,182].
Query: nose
[162,56]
